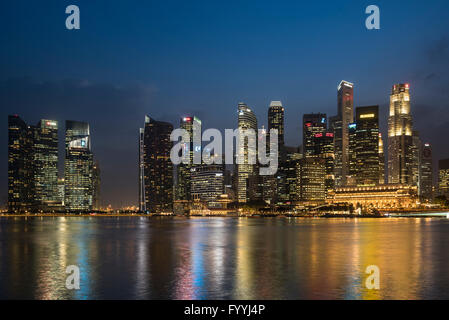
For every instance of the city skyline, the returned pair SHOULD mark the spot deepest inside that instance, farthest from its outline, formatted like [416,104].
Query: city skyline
[284,59]
[315,123]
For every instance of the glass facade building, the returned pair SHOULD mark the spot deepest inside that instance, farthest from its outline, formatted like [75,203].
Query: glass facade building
[400,136]
[158,167]
[78,169]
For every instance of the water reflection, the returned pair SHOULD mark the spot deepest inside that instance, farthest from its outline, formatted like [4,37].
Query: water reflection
[223,258]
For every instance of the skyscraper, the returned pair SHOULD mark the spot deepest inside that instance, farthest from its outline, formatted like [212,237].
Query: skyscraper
[142,167]
[367,168]
[207,182]
[416,153]
[19,165]
[324,148]
[335,126]
[45,163]
[274,187]
[158,168]
[184,171]
[96,181]
[276,120]
[32,166]
[311,179]
[341,126]
[443,178]
[381,160]
[425,187]
[78,167]
[400,141]
[246,121]
[312,124]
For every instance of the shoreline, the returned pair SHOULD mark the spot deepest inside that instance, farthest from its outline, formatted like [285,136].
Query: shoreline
[433,214]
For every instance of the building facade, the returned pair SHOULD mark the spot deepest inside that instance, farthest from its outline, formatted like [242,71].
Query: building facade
[158,167]
[365,145]
[443,178]
[400,137]
[32,166]
[20,165]
[312,125]
[78,169]
[184,171]
[246,171]
[378,197]
[45,163]
[207,183]
[345,116]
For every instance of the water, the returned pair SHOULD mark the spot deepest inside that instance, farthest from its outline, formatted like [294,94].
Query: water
[223,258]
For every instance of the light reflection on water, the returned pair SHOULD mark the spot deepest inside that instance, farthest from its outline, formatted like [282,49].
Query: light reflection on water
[223,258]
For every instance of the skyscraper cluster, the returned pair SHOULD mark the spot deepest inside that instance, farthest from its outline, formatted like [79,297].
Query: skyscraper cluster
[33,177]
[337,153]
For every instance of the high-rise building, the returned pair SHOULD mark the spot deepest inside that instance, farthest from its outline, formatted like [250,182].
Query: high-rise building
[184,171]
[311,175]
[32,166]
[366,144]
[313,124]
[246,121]
[78,167]
[352,167]
[20,168]
[269,184]
[443,178]
[381,160]
[425,187]
[45,163]
[207,182]
[336,127]
[96,180]
[341,126]
[276,120]
[416,152]
[142,167]
[158,167]
[324,148]
[400,140]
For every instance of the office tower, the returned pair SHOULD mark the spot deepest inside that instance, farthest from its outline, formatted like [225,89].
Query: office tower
[311,175]
[313,124]
[293,156]
[78,167]
[443,178]
[45,163]
[324,148]
[32,166]
[340,125]
[425,187]
[96,181]
[207,182]
[158,168]
[400,140]
[336,127]
[381,160]
[61,193]
[276,120]
[416,151]
[352,157]
[269,185]
[142,167]
[246,121]
[367,172]
[183,187]
[19,165]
